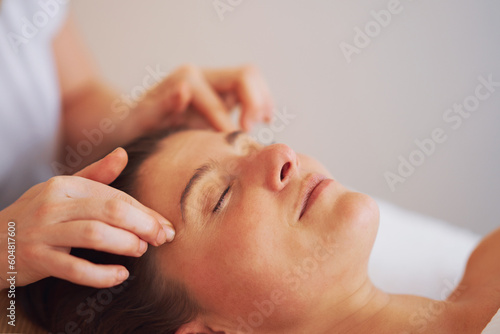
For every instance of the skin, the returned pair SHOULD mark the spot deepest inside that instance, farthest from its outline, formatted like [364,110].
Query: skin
[80,210]
[259,217]
[51,217]
[188,95]
[255,248]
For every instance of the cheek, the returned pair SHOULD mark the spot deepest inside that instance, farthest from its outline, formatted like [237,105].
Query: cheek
[355,219]
[311,164]
[238,262]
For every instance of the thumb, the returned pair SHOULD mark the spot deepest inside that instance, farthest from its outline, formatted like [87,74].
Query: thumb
[107,169]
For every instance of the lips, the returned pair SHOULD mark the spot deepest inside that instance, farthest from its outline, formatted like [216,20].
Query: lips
[308,188]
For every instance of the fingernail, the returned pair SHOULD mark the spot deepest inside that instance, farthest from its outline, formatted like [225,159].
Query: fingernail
[170,232]
[161,237]
[122,275]
[143,245]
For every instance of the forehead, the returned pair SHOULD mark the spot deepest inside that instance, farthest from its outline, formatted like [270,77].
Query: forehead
[164,175]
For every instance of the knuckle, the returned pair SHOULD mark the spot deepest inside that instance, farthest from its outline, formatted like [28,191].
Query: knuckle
[181,89]
[248,71]
[113,209]
[74,271]
[187,70]
[151,228]
[54,184]
[92,232]
[134,246]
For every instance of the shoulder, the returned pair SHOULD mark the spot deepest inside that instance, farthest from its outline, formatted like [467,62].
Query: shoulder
[483,266]
[477,298]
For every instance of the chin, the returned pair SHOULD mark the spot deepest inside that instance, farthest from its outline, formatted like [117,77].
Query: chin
[355,216]
[367,209]
[359,209]
[361,217]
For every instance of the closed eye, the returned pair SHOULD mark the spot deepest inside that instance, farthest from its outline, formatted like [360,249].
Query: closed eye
[219,204]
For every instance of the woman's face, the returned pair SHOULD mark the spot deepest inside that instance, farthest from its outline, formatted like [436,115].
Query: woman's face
[246,247]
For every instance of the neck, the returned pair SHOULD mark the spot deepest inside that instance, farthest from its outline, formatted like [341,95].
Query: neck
[370,310]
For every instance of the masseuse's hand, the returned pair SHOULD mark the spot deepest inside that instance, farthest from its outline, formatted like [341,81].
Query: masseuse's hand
[78,211]
[199,97]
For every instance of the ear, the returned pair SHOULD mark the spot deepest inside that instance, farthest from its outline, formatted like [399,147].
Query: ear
[196,326]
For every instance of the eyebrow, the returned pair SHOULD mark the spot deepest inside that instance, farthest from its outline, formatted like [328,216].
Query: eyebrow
[202,171]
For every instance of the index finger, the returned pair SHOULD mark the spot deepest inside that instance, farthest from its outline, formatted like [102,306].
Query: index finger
[89,188]
[207,101]
[250,87]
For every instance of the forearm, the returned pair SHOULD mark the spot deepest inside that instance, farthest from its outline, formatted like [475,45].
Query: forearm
[95,121]
[92,123]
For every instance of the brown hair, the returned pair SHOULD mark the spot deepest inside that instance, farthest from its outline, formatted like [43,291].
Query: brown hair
[145,303]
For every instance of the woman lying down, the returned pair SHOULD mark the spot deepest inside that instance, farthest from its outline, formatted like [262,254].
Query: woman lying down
[266,242]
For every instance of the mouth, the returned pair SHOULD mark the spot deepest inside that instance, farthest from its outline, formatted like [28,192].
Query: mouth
[310,190]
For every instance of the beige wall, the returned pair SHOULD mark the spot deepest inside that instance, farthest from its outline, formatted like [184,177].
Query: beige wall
[356,117]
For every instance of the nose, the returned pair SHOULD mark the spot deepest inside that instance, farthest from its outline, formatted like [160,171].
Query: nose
[278,163]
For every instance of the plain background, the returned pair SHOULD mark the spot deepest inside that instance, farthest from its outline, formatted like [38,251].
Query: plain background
[358,117]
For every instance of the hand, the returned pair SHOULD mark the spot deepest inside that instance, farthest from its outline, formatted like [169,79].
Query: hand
[204,97]
[79,211]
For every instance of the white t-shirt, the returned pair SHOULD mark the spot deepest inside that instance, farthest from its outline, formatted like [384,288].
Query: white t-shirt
[30,107]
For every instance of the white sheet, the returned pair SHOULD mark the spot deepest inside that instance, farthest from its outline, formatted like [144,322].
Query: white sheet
[493,326]
[416,254]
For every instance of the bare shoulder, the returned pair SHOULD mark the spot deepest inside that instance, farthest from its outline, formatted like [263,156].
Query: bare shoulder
[483,267]
[478,296]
